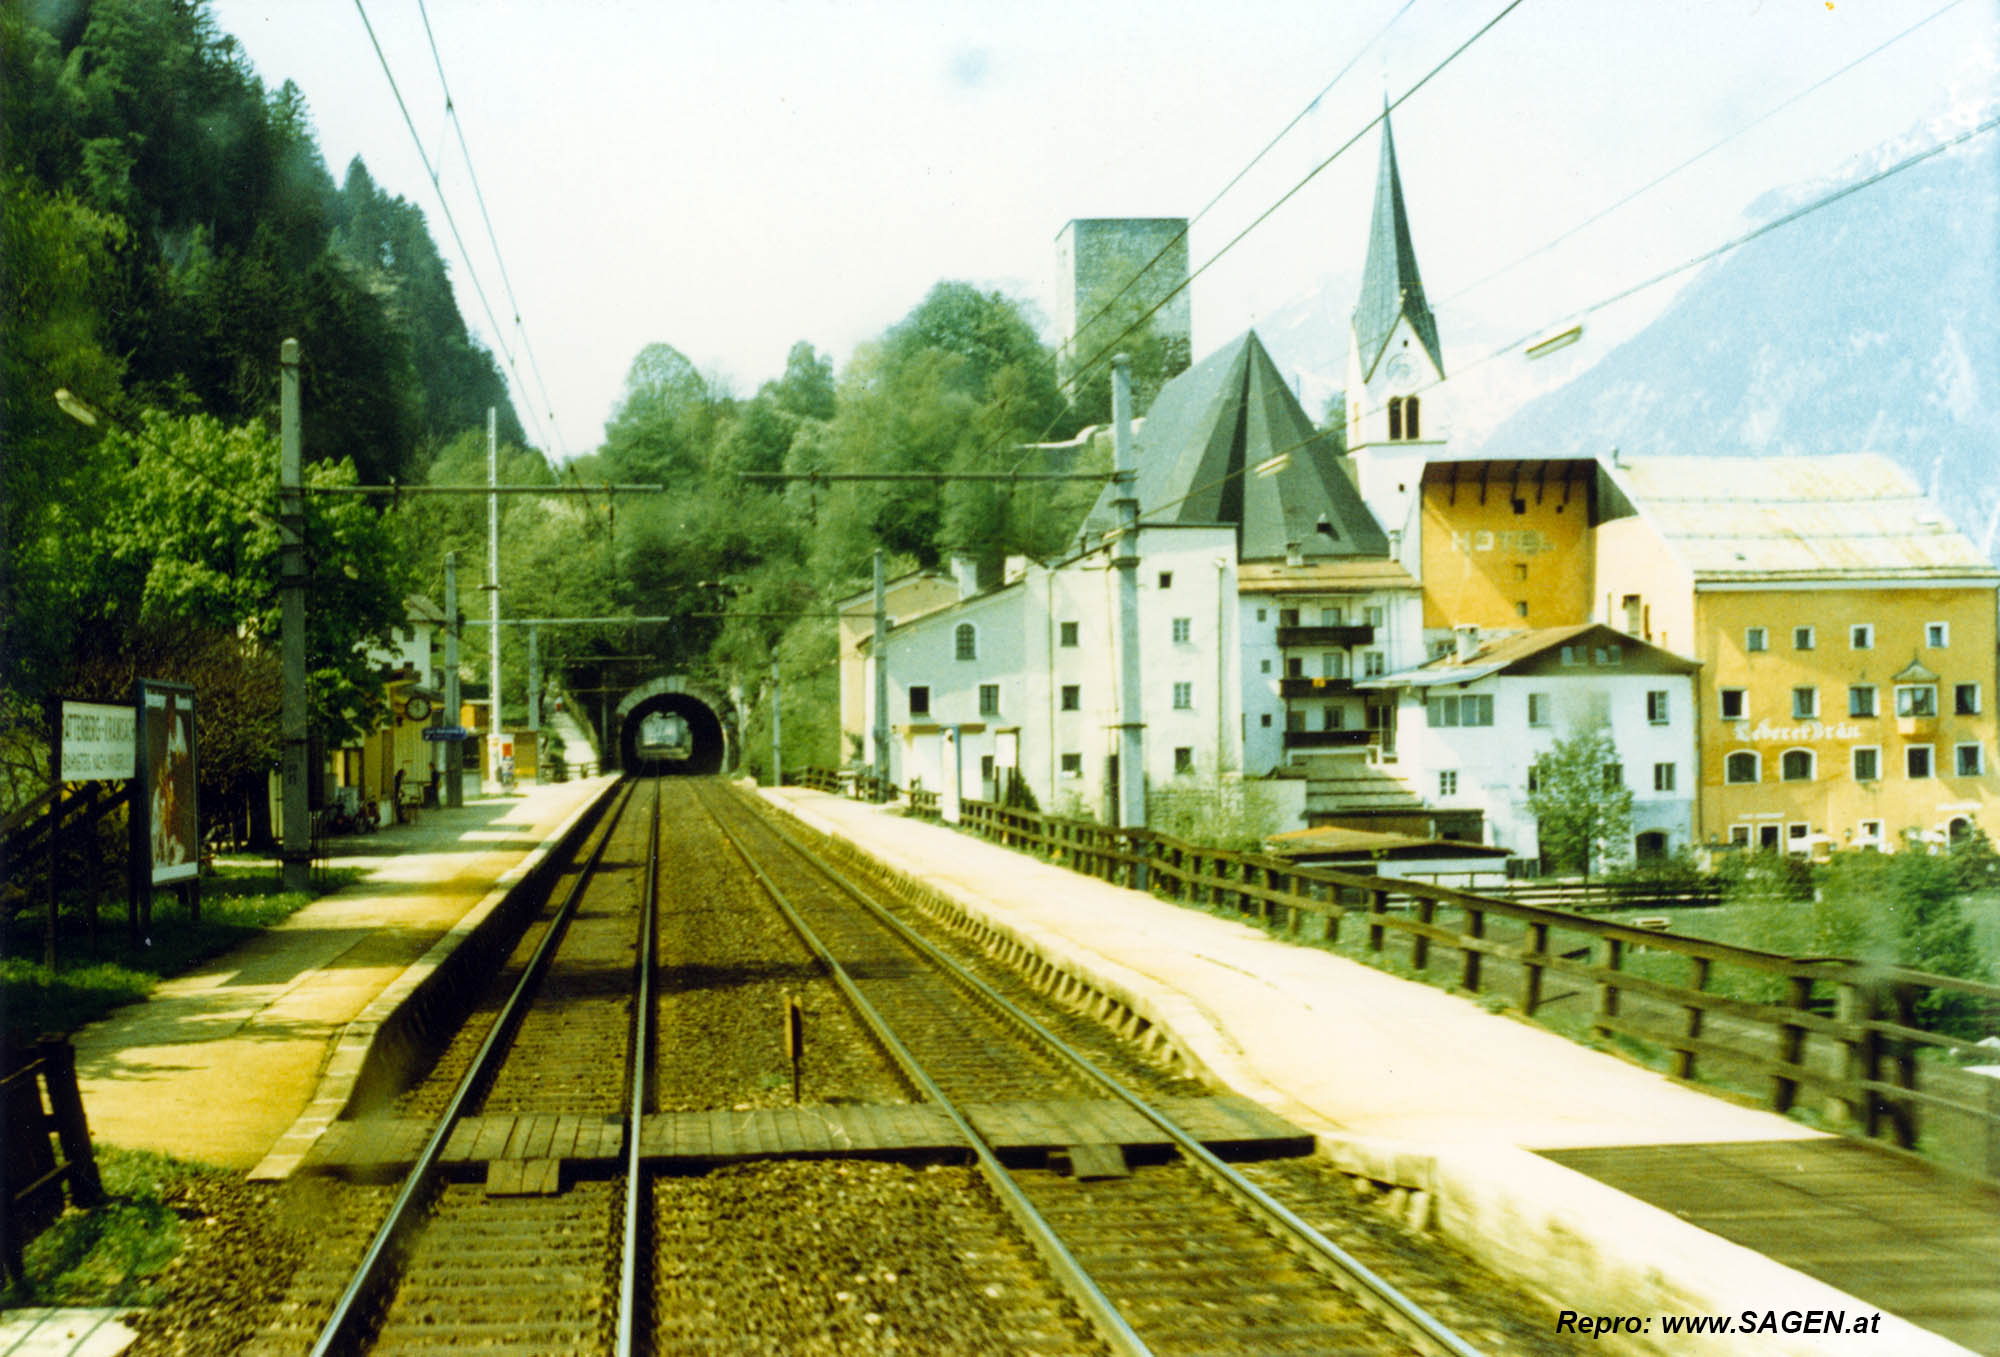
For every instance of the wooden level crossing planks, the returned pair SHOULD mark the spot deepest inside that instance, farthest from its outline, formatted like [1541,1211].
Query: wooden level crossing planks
[1891,1231]
[1227,1125]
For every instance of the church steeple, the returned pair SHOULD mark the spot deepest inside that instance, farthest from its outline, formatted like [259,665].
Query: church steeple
[1391,289]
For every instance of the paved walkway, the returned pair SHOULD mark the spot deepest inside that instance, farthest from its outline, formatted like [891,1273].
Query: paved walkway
[218,1063]
[1469,1110]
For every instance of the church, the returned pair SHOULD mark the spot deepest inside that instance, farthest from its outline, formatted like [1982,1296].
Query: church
[1388,636]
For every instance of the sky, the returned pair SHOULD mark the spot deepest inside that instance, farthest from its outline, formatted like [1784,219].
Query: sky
[732,176]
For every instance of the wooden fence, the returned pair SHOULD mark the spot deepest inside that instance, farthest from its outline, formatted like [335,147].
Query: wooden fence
[1857,1041]
[44,1145]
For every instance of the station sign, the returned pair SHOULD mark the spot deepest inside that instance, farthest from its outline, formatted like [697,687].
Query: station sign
[447,733]
[99,741]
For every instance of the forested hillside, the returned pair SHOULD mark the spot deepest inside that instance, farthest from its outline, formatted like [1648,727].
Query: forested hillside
[168,221]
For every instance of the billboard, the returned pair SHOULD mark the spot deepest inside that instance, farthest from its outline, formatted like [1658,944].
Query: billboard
[167,777]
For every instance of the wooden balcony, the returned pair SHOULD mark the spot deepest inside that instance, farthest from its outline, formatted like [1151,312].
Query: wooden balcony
[1316,687]
[1332,739]
[1353,635]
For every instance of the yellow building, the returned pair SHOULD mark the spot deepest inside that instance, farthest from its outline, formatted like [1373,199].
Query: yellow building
[1507,543]
[1847,636]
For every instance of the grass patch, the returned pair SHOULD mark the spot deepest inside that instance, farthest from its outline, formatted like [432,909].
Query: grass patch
[112,1253]
[89,980]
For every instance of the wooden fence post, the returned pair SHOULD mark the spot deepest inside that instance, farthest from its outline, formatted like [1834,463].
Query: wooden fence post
[1791,1043]
[1684,1056]
[1610,956]
[59,1070]
[1378,905]
[1420,944]
[1469,957]
[1531,969]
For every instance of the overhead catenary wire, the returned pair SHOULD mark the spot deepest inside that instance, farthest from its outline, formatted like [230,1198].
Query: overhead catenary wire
[499,259]
[451,221]
[1700,155]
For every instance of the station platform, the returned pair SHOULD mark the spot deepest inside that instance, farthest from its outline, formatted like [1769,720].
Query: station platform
[219,1064]
[1605,1187]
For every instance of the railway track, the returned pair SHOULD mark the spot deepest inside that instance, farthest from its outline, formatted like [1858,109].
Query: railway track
[938,1172]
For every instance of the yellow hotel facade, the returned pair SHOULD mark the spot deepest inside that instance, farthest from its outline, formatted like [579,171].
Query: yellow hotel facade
[1847,638]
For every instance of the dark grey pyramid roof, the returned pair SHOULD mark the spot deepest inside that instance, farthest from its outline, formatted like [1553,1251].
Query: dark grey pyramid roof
[1207,433]
[1390,287]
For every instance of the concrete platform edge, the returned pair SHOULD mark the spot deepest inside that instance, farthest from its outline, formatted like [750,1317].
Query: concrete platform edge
[356,1045]
[1575,1242]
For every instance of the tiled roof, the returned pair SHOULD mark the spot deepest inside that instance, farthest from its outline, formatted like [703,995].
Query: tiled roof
[1747,518]
[1227,442]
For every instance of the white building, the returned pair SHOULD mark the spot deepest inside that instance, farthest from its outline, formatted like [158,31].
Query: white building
[1474,722]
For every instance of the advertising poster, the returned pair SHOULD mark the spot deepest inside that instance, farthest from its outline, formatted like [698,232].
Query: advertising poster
[166,715]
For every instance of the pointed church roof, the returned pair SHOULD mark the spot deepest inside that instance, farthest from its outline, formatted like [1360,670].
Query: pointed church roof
[1206,435]
[1390,286]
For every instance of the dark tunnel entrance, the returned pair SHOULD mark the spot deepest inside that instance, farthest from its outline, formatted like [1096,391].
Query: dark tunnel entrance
[672,734]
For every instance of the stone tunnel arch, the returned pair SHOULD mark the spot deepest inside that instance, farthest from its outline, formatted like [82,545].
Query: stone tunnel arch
[710,721]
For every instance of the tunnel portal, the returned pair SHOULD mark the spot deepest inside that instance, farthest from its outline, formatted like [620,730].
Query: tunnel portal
[672,727]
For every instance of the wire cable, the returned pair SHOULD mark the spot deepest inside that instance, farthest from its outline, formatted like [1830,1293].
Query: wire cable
[500,261]
[416,138]
[1654,183]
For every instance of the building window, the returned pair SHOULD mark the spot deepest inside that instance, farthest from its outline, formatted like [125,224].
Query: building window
[1069,630]
[1534,778]
[1756,639]
[1371,663]
[1796,833]
[1295,720]
[1663,777]
[1937,635]
[985,767]
[966,638]
[1333,664]
[1970,760]
[1572,655]
[1261,614]
[1916,699]
[1656,707]
[1965,699]
[1740,834]
[1295,666]
[920,700]
[1335,718]
[1183,759]
[1263,666]
[1805,703]
[1734,707]
[1331,617]
[989,699]
[1867,764]
[1741,767]
[1265,720]
[1166,579]
[1802,638]
[1183,630]
[1538,709]
[1470,709]
[1917,760]
[1521,607]
[1183,697]
[1796,765]
[1372,616]
[1861,700]
[1861,636]
[1072,765]
[1870,832]
[1288,617]
[1403,419]
[1609,655]
[1614,775]
[1072,697]
[1448,782]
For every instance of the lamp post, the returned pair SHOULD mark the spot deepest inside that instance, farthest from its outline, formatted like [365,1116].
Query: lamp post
[295,850]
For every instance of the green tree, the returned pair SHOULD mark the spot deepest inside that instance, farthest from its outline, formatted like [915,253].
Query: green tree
[1582,807]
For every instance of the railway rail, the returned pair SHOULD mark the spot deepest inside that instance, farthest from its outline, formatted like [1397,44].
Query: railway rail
[960,1179]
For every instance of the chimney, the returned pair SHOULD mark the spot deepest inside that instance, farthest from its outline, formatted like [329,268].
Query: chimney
[1294,554]
[1467,639]
[965,569]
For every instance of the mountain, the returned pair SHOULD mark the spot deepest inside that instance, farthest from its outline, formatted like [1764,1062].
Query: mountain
[1867,325]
